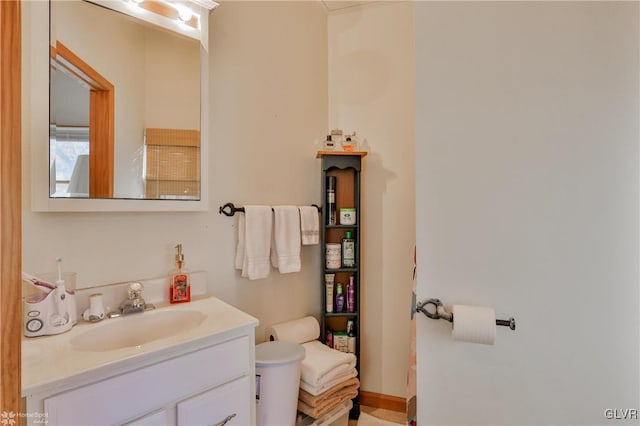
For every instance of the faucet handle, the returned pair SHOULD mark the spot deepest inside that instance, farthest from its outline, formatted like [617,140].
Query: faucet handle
[135,290]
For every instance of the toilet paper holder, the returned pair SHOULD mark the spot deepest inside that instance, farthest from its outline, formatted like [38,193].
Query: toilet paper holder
[439,312]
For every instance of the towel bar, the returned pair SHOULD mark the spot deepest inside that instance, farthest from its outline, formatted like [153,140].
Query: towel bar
[230,209]
[441,313]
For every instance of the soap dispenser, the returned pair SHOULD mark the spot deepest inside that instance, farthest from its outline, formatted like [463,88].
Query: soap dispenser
[180,290]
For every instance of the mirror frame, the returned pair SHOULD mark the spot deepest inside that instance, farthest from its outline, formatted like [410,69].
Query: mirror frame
[38,58]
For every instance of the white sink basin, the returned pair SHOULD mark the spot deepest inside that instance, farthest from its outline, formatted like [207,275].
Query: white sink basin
[136,330]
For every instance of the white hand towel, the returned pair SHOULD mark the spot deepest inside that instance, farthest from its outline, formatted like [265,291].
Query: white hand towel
[322,364]
[309,225]
[285,252]
[258,225]
[240,251]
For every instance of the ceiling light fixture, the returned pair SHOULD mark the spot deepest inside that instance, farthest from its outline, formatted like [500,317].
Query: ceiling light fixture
[184,12]
[182,16]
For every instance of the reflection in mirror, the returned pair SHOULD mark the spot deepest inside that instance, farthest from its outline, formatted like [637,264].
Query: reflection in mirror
[68,142]
[69,161]
[116,82]
[77,80]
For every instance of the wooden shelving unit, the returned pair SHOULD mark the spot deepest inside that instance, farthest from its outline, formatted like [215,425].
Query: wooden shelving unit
[346,167]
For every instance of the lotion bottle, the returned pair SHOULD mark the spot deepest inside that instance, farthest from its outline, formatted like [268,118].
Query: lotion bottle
[329,280]
[180,290]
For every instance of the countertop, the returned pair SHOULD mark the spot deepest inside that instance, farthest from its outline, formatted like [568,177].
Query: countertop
[51,363]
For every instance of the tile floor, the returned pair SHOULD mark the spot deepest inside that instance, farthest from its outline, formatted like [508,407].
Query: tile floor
[391,416]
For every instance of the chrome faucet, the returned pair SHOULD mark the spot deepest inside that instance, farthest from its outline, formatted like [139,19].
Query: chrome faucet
[134,302]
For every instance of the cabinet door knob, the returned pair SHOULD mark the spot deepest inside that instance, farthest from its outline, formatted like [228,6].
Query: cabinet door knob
[226,420]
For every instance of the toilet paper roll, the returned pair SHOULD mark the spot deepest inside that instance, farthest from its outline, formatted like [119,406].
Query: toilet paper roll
[296,331]
[474,324]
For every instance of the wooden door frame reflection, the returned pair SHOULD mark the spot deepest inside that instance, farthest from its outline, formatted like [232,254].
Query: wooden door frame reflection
[101,117]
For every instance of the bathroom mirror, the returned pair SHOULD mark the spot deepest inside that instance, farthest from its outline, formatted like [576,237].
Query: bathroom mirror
[128,93]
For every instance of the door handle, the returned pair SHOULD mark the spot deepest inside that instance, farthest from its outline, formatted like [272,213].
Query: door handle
[226,420]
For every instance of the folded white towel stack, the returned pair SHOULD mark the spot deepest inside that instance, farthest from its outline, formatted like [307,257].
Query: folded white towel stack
[309,225]
[323,387]
[322,364]
[285,252]
[328,377]
[256,234]
[322,367]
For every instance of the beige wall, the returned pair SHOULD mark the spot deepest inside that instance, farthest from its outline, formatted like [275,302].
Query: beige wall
[268,103]
[172,77]
[371,91]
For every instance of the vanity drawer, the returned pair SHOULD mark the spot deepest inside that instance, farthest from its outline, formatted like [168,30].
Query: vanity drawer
[225,405]
[128,396]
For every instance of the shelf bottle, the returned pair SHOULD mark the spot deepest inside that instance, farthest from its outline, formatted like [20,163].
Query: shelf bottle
[351,295]
[348,251]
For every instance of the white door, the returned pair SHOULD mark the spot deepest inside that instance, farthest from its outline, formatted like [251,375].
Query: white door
[527,201]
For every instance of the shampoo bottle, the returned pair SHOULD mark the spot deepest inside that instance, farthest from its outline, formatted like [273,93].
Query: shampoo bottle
[351,295]
[180,290]
[339,298]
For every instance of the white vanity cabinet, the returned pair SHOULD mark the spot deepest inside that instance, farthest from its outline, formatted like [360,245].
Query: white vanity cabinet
[224,405]
[120,399]
[209,380]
